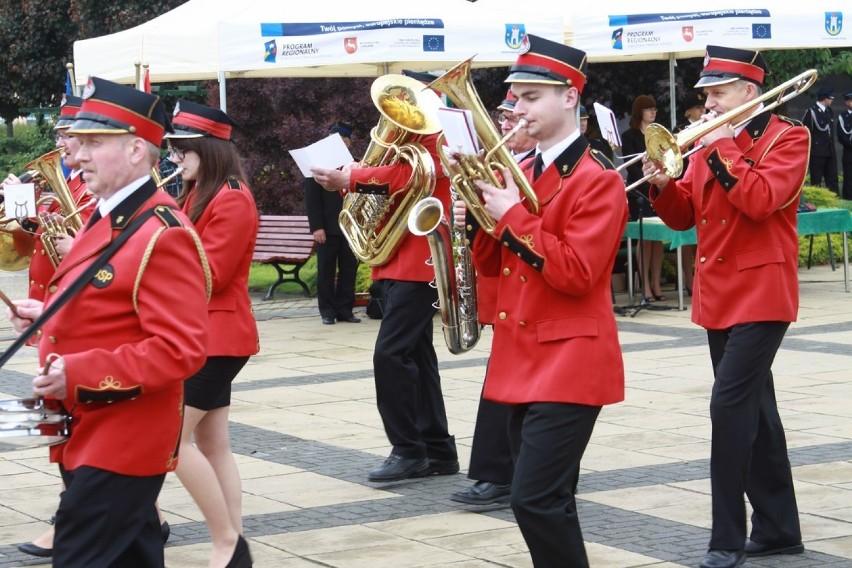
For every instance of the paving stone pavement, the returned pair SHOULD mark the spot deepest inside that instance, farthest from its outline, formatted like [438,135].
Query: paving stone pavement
[306,432]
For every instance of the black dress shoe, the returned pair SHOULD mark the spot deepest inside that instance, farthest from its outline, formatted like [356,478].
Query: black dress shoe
[397,468]
[349,318]
[241,558]
[723,559]
[165,531]
[439,467]
[753,548]
[327,320]
[35,550]
[484,493]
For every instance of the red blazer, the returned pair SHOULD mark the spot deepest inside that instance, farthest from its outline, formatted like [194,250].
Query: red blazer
[741,196]
[129,339]
[41,269]
[555,336]
[228,230]
[409,261]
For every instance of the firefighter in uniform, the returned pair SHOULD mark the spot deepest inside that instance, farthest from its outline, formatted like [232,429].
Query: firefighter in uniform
[740,192]
[120,349]
[555,355]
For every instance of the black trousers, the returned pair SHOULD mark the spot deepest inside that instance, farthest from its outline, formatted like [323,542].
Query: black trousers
[408,386]
[335,295]
[824,167]
[748,452]
[490,452]
[847,175]
[107,519]
[550,439]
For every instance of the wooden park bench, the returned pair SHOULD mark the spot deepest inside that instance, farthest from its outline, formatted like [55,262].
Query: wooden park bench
[285,242]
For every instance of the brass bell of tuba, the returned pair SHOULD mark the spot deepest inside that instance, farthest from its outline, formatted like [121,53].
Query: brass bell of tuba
[457,85]
[374,225]
[455,277]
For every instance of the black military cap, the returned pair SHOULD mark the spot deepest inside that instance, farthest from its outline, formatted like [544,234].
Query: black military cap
[693,100]
[583,112]
[825,93]
[509,102]
[110,108]
[193,120]
[727,64]
[68,109]
[341,128]
[422,77]
[549,62]
[848,96]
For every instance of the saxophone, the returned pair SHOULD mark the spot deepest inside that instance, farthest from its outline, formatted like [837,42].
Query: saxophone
[374,225]
[455,281]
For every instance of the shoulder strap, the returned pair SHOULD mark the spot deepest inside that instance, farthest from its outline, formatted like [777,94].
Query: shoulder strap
[76,285]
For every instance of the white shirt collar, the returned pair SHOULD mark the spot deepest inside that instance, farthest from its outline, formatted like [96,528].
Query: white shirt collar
[113,201]
[549,155]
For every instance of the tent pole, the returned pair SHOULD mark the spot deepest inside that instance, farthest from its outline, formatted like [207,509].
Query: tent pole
[223,92]
[673,102]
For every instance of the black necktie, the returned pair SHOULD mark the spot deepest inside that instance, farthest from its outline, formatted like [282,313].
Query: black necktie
[538,166]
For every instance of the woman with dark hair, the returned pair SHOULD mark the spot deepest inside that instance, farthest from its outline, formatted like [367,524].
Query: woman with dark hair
[222,208]
[649,253]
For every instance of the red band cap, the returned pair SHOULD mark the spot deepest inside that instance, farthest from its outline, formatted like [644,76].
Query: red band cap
[745,70]
[577,79]
[211,127]
[143,127]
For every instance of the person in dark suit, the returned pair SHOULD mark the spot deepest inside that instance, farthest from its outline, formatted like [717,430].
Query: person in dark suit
[555,356]
[819,119]
[740,193]
[336,264]
[844,136]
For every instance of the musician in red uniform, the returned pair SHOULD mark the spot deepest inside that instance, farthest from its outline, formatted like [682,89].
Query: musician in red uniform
[740,192]
[121,348]
[220,204]
[555,355]
[408,385]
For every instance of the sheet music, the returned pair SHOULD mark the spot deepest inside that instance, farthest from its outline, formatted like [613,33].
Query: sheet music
[608,125]
[329,153]
[459,130]
[19,200]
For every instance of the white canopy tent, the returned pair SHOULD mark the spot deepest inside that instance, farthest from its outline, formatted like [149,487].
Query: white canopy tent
[221,39]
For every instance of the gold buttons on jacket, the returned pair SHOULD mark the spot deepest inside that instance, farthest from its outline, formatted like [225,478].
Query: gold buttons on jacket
[51,339]
[53,289]
[502,315]
[704,221]
[38,334]
[703,259]
[724,222]
[522,323]
[506,271]
[720,259]
[523,278]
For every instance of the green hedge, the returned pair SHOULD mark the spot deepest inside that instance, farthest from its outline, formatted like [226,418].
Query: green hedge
[262,275]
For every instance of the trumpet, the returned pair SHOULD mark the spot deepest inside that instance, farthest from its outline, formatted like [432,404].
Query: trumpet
[667,150]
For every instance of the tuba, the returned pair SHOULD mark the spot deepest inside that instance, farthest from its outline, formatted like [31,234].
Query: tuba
[374,225]
[457,85]
[49,167]
[456,288]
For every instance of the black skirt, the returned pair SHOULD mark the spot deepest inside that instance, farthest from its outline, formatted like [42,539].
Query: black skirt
[210,388]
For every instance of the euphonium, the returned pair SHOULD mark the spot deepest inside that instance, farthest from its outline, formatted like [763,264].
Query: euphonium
[455,281]
[457,85]
[49,166]
[374,225]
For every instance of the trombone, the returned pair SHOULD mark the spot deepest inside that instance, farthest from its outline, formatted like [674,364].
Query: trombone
[667,150]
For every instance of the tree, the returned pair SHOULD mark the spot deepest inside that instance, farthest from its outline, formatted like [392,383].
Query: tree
[95,18]
[32,65]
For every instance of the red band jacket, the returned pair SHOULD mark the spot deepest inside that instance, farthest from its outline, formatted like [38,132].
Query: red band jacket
[228,230]
[741,196]
[409,261]
[555,336]
[41,269]
[129,338]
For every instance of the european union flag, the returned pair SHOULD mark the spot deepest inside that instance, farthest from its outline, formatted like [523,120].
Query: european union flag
[761,31]
[270,51]
[433,43]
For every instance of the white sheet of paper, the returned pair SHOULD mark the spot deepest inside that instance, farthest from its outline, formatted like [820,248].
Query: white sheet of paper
[608,125]
[459,130]
[329,153]
[19,200]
